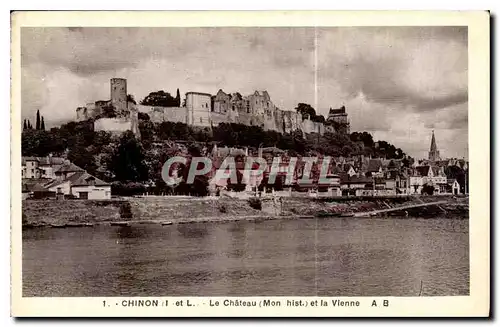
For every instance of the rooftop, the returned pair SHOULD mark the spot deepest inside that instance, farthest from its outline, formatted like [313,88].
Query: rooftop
[339,111]
[47,161]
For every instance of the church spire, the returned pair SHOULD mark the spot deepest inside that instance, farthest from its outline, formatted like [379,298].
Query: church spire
[433,153]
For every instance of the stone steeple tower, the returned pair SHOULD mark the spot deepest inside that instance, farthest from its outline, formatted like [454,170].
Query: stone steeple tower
[433,153]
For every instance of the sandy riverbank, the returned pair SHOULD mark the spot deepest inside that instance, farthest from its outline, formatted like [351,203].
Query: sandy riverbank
[180,210]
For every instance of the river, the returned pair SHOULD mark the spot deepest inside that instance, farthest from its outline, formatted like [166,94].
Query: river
[323,257]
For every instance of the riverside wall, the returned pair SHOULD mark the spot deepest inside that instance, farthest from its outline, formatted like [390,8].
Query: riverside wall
[156,209]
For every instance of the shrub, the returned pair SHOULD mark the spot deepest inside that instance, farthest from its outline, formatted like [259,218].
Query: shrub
[125,210]
[255,203]
[222,208]
[127,189]
[428,189]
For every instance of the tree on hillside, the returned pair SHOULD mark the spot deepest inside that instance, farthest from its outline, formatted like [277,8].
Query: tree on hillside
[306,111]
[319,119]
[37,126]
[178,98]
[82,157]
[29,125]
[108,111]
[146,128]
[365,137]
[408,161]
[299,144]
[130,98]
[25,126]
[42,125]
[143,116]
[127,163]
[160,99]
[36,143]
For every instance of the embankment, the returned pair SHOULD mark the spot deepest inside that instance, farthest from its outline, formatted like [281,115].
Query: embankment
[186,209]
[56,212]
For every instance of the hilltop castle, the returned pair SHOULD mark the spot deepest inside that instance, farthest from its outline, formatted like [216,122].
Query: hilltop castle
[206,110]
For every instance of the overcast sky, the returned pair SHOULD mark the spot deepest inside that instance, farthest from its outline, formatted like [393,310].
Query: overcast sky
[398,83]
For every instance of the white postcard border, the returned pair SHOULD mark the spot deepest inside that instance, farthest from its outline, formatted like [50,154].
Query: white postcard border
[476,304]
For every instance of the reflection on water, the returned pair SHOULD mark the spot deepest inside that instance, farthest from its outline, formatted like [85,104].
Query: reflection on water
[325,257]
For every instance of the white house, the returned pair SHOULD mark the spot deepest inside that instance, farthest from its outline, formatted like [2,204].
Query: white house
[428,175]
[81,185]
[453,187]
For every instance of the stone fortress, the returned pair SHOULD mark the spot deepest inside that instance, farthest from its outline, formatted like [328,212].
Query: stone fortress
[206,110]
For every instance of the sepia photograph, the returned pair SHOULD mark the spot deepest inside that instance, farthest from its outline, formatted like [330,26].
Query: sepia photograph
[244,161]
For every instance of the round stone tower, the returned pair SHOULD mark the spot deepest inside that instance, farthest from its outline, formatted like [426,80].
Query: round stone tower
[119,94]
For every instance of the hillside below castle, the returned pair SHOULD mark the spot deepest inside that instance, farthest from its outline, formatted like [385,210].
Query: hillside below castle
[121,112]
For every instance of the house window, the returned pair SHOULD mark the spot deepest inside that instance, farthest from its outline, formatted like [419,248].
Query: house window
[59,190]
[83,195]
[233,107]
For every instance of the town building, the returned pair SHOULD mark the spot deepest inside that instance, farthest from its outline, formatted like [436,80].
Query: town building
[198,108]
[428,175]
[58,177]
[338,117]
[80,185]
[354,185]
[40,167]
[452,169]
[375,168]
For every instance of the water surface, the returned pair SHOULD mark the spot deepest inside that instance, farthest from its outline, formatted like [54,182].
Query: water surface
[323,257]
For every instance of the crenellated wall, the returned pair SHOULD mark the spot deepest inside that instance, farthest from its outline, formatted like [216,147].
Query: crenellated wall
[162,114]
[113,125]
[204,110]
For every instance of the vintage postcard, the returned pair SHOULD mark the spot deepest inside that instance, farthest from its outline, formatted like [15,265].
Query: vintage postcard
[250,164]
